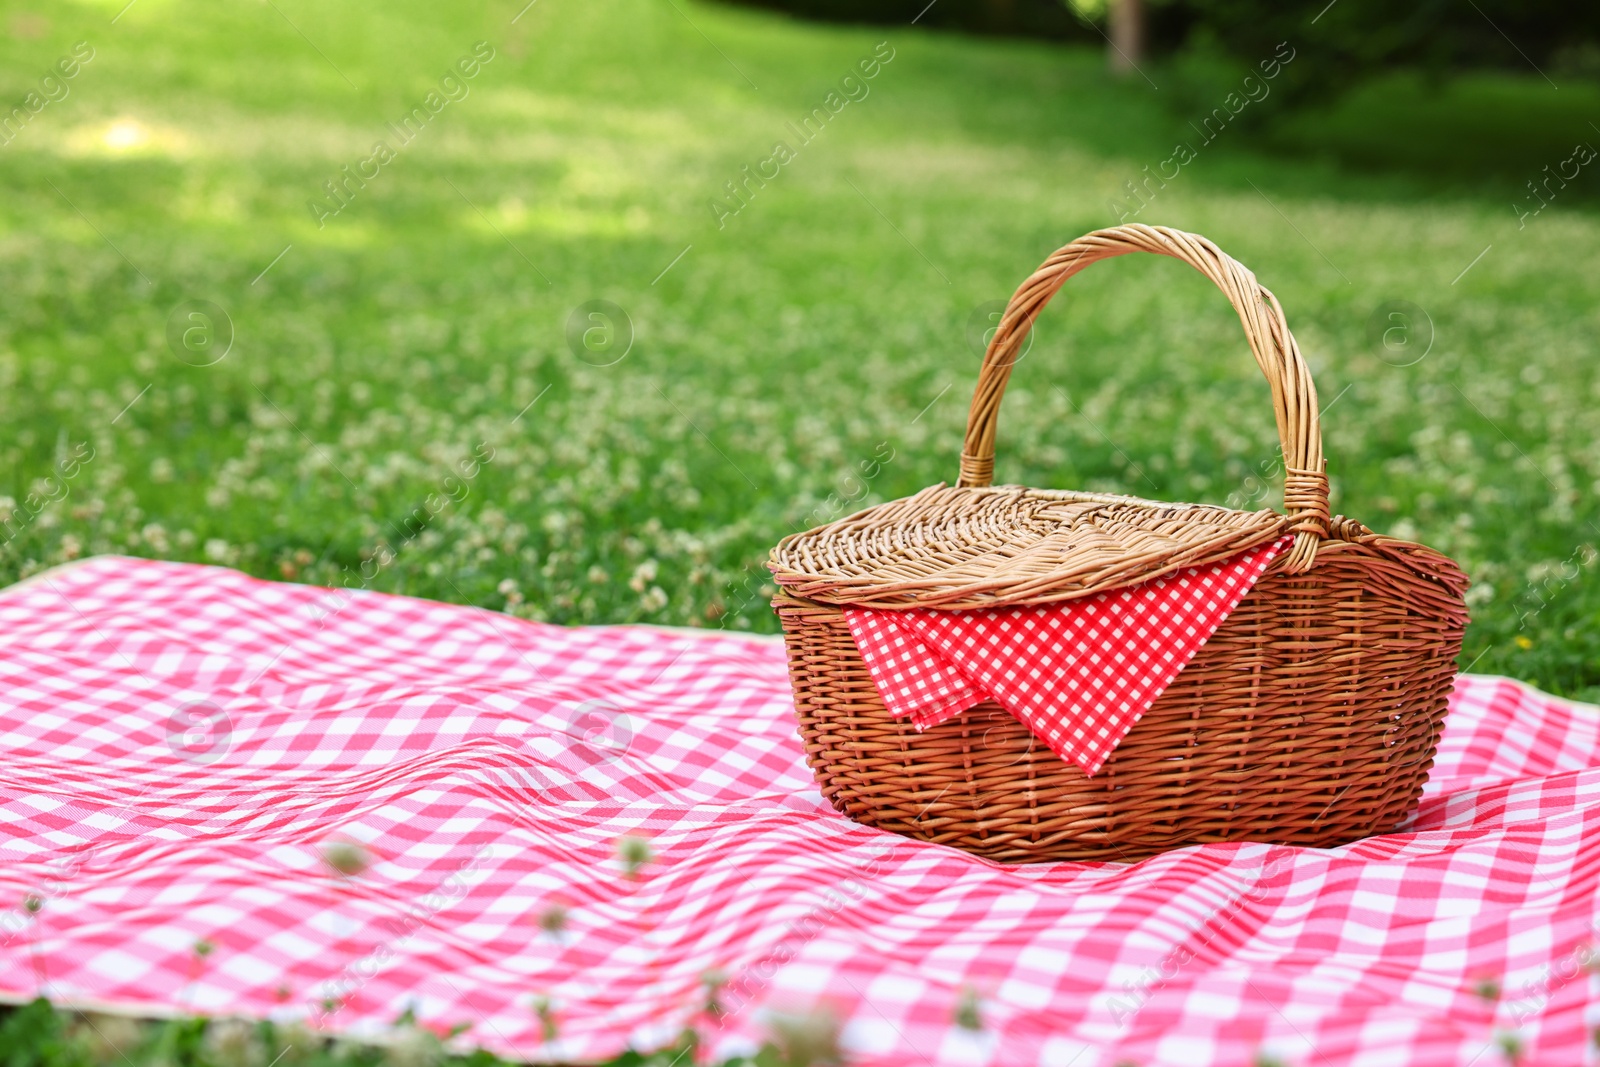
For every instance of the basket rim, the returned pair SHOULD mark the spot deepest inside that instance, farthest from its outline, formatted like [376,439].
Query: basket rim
[962,548]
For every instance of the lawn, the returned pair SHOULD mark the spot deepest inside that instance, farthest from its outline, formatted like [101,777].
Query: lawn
[530,353]
[760,356]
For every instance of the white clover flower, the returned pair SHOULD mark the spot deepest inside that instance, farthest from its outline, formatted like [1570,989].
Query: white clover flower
[104,1036]
[416,1047]
[643,575]
[234,1041]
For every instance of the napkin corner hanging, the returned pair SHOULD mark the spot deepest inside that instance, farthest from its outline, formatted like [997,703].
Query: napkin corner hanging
[1078,674]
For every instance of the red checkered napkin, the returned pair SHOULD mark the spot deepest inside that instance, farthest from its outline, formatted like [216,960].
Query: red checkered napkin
[1079,674]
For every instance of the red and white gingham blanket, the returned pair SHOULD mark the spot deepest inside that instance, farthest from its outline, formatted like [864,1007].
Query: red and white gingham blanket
[181,744]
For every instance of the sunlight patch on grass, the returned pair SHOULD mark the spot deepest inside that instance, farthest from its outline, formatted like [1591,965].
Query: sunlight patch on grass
[128,137]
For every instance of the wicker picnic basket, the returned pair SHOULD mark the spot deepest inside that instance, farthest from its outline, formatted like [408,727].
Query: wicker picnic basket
[1309,718]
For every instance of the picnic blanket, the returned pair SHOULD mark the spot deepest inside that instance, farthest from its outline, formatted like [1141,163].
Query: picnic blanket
[189,758]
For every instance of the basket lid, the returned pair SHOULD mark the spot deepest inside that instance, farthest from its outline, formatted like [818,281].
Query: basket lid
[966,547]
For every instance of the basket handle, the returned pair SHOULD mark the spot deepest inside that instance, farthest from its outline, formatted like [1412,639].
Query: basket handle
[1294,396]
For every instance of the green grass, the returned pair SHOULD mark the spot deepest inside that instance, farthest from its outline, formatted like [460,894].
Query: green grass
[786,348]
[823,328]
[823,325]
[38,1035]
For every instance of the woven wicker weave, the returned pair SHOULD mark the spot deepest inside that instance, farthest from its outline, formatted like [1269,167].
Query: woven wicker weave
[1309,718]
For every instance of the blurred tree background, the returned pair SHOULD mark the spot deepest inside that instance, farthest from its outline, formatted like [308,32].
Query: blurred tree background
[1455,90]
[1355,38]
